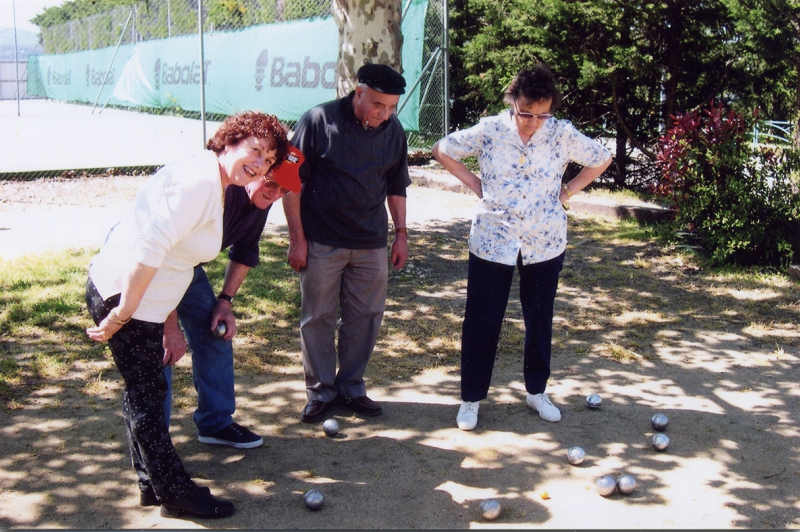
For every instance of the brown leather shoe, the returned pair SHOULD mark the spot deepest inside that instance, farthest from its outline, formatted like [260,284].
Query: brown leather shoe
[314,411]
[361,405]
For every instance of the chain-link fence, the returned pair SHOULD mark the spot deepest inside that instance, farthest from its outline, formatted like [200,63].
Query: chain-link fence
[14,80]
[15,47]
[128,88]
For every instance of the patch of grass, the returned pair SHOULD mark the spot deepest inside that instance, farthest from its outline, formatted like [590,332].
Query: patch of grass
[42,317]
[49,365]
[622,354]
[10,374]
[623,195]
[622,289]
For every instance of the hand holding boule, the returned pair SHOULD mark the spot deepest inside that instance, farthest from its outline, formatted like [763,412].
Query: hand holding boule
[220,330]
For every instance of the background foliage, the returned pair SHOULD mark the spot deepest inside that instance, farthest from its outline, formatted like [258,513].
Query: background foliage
[628,66]
[740,200]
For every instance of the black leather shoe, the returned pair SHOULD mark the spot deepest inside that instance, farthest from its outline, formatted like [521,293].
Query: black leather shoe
[197,503]
[314,411]
[147,497]
[361,405]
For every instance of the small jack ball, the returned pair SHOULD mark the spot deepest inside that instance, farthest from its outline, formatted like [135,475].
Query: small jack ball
[331,427]
[220,330]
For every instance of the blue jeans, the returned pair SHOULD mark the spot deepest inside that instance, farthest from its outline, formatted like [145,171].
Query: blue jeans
[212,359]
[488,288]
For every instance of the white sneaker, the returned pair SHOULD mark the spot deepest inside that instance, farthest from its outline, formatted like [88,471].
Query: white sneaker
[541,403]
[467,417]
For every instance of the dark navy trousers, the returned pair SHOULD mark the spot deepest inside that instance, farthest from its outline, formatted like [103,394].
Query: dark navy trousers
[488,289]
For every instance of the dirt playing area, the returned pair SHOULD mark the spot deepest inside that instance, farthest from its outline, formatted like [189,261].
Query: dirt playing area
[647,331]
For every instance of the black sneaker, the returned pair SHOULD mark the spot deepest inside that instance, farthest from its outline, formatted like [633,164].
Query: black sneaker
[234,435]
[197,503]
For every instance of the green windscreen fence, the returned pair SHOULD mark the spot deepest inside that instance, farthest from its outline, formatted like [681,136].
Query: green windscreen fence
[282,69]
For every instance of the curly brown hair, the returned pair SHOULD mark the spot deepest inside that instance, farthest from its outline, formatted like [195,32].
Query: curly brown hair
[238,127]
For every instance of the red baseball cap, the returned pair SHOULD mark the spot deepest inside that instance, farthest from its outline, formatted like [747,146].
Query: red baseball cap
[287,174]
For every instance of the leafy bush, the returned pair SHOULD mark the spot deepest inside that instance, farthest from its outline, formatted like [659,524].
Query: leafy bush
[741,201]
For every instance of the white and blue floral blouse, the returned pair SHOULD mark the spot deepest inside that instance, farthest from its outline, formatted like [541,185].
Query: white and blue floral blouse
[520,211]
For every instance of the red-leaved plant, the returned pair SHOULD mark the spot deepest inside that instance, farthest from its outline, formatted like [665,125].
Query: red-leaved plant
[741,201]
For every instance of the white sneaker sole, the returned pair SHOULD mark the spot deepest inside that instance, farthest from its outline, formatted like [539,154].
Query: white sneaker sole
[466,426]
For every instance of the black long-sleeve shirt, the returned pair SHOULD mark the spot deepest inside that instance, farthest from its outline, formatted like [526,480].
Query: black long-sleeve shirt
[242,225]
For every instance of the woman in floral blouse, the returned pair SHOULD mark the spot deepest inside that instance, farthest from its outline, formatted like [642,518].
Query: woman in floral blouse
[521,222]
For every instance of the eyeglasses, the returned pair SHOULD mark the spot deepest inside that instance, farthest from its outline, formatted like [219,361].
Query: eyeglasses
[528,116]
[272,185]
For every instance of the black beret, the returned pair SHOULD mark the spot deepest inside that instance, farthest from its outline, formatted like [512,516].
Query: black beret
[381,78]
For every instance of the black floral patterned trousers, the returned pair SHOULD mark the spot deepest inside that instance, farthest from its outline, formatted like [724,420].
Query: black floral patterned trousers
[138,353]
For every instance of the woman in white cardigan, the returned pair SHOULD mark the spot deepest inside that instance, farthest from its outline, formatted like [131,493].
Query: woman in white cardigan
[142,272]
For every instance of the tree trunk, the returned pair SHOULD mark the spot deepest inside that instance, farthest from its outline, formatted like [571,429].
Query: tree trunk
[672,55]
[796,125]
[621,97]
[369,32]
[621,158]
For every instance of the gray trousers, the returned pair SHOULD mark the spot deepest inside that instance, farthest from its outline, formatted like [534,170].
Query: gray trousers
[356,279]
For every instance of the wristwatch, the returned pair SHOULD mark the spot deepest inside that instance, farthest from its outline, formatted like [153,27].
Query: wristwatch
[226,297]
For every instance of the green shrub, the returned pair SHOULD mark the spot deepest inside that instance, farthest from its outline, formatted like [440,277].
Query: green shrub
[740,201]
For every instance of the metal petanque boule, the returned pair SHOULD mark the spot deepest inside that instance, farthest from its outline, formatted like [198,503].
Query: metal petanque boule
[626,484]
[606,486]
[659,422]
[220,329]
[576,455]
[490,509]
[330,427]
[594,401]
[313,499]
[660,442]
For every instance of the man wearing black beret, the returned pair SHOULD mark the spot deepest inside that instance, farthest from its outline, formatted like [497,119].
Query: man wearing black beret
[356,162]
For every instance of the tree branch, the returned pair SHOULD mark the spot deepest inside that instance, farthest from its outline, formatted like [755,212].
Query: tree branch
[650,155]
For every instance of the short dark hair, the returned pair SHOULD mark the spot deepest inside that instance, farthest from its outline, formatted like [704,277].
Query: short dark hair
[534,84]
[238,127]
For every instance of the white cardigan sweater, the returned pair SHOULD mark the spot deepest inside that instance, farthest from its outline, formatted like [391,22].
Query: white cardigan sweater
[173,224]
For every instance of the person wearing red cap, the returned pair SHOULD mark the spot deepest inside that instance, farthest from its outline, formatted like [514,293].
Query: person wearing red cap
[356,163]
[200,311]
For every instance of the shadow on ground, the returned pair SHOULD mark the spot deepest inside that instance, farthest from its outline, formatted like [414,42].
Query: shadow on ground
[636,323]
